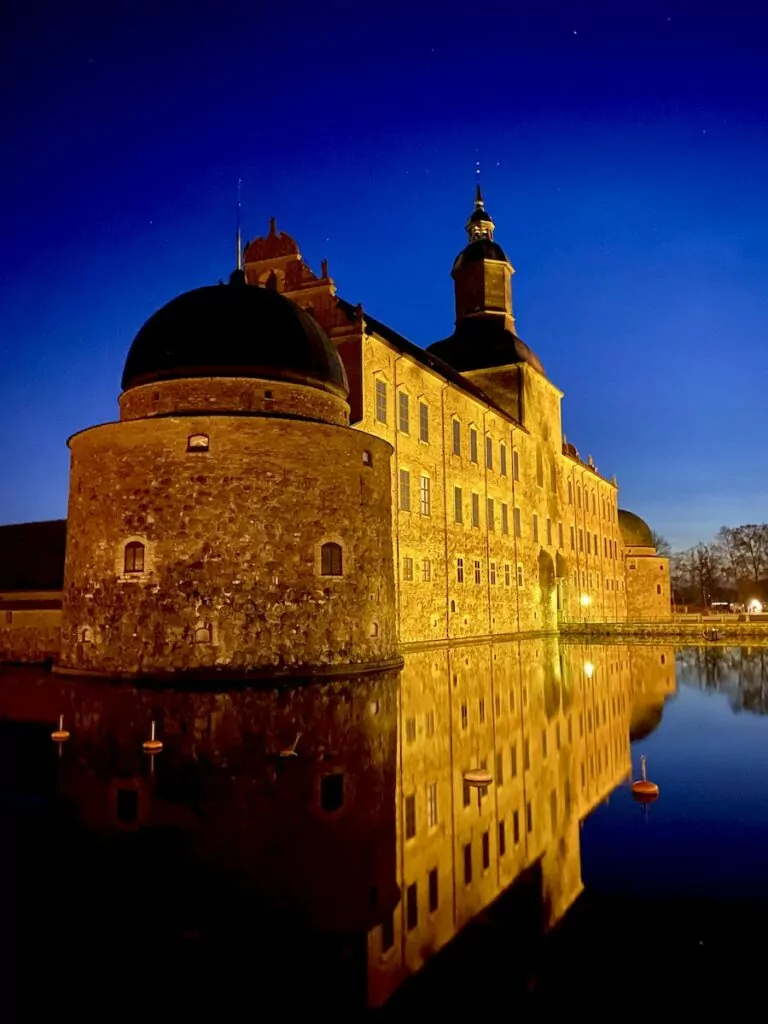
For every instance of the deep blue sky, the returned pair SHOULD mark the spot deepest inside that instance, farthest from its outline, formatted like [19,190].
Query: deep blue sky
[624,157]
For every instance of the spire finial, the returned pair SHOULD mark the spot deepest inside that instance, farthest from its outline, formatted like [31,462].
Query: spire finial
[479,204]
[239,240]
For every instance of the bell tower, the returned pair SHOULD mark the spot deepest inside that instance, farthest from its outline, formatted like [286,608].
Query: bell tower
[482,274]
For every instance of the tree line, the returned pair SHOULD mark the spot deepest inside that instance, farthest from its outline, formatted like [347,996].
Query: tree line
[733,568]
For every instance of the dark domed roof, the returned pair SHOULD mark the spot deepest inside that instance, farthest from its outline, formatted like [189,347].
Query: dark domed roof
[635,532]
[234,330]
[479,343]
[479,250]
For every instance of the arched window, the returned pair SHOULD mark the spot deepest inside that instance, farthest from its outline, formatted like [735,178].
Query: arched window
[374,631]
[330,559]
[86,636]
[134,557]
[197,443]
[453,606]
[203,633]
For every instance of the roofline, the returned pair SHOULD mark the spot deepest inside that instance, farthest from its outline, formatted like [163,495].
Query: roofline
[431,362]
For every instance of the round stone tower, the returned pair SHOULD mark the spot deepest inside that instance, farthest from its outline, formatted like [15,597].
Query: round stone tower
[231,520]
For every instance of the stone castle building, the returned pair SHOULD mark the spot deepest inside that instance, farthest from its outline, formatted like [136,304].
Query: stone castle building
[292,484]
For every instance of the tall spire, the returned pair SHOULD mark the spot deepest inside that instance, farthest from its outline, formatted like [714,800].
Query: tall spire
[239,241]
[480,224]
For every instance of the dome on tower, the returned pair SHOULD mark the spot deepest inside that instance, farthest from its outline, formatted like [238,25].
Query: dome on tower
[635,532]
[234,330]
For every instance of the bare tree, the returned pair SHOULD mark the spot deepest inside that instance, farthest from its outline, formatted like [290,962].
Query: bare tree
[661,544]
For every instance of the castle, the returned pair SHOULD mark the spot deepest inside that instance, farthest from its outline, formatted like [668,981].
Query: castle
[293,486]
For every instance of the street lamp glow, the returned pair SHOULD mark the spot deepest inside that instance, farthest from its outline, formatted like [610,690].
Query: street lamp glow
[755,606]
[585,600]
[589,669]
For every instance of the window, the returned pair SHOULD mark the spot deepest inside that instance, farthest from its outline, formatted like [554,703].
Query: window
[432,804]
[513,761]
[411,908]
[570,493]
[404,412]
[573,537]
[632,565]
[515,464]
[332,792]
[410,730]
[518,522]
[197,443]
[658,588]
[405,490]
[472,444]
[381,401]
[433,901]
[539,468]
[456,437]
[489,452]
[594,504]
[467,863]
[408,568]
[581,539]
[459,570]
[526,756]
[596,546]
[553,476]
[490,514]
[478,575]
[504,517]
[605,547]
[458,509]
[519,575]
[502,458]
[507,575]
[464,716]
[466,795]
[516,827]
[331,563]
[560,541]
[499,769]
[134,557]
[481,710]
[589,543]
[544,743]
[423,421]
[549,532]
[410,816]
[425,496]
[486,851]
[387,933]
[535,527]
[367,459]
[475,509]
[553,808]
[203,633]
[426,571]
[492,573]
[529,816]
[429,723]
[578,496]
[502,840]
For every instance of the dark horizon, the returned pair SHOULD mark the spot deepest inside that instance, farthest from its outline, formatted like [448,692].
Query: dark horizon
[623,158]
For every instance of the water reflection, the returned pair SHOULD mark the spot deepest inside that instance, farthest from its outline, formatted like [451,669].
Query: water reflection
[739,672]
[317,842]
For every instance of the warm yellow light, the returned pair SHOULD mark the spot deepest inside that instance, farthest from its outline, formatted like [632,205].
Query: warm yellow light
[586,600]
[589,669]
[755,606]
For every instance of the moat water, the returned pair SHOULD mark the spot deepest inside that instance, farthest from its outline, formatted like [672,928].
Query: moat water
[305,846]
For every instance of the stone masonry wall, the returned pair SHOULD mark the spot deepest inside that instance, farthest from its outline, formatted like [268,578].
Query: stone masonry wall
[648,587]
[232,540]
[33,636]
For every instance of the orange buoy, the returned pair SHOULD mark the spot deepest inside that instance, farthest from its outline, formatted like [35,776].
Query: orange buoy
[152,746]
[60,735]
[643,791]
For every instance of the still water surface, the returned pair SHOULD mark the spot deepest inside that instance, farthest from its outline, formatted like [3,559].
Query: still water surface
[310,845]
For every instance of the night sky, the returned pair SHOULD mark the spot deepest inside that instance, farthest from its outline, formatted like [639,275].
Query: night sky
[624,158]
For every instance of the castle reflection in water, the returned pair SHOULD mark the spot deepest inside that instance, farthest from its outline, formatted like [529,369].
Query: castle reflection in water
[330,818]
